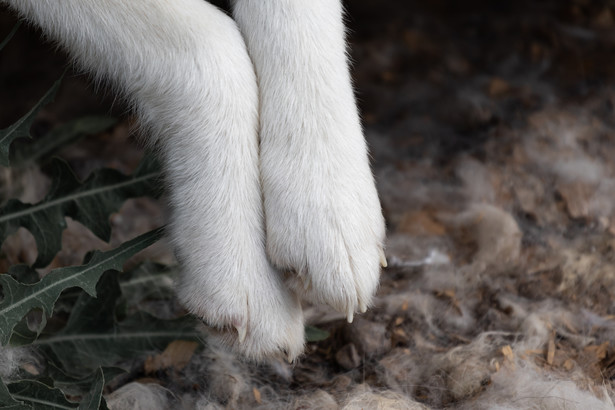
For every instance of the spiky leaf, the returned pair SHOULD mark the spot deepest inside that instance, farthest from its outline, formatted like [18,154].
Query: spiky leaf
[93,337]
[94,399]
[43,147]
[7,402]
[314,334]
[90,203]
[21,298]
[32,394]
[10,35]
[22,127]
[77,385]
[81,350]
[23,335]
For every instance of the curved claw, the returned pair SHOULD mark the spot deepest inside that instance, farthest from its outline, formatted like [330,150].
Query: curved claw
[241,332]
[383,258]
[362,306]
[350,314]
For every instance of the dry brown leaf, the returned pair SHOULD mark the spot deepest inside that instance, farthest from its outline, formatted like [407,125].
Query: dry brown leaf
[551,349]
[257,395]
[176,356]
[536,51]
[568,364]
[599,351]
[577,196]
[498,87]
[604,19]
[451,296]
[399,336]
[421,223]
[507,352]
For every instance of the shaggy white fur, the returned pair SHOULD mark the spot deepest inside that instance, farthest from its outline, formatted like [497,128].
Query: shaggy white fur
[185,68]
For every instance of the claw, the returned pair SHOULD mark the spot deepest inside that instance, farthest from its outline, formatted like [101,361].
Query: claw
[362,306]
[241,332]
[350,314]
[383,258]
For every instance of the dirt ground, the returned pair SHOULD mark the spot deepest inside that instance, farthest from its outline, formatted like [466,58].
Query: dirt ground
[492,134]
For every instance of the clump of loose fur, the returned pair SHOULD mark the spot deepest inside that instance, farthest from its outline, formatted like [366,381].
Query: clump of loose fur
[139,396]
[10,359]
[523,386]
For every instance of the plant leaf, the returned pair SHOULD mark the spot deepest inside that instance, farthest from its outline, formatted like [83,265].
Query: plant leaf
[21,298]
[93,337]
[82,349]
[25,154]
[22,127]
[94,399]
[22,334]
[78,385]
[90,203]
[10,35]
[38,396]
[7,402]
[314,334]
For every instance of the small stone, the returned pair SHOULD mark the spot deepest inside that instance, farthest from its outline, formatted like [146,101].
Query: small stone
[370,338]
[348,357]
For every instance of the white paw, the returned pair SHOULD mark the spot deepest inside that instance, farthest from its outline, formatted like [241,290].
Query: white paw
[325,225]
[323,216]
[251,312]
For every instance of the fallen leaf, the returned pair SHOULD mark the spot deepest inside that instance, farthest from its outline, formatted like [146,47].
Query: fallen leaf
[177,355]
[498,87]
[604,19]
[599,351]
[551,349]
[257,395]
[576,195]
[568,364]
[421,223]
[508,353]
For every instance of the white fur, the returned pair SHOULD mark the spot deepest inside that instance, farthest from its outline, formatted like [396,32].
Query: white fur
[322,210]
[184,66]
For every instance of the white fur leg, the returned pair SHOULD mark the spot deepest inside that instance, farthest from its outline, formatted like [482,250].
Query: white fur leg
[323,215]
[184,66]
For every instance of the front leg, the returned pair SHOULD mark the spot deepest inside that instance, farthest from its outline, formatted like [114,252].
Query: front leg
[184,67]
[323,216]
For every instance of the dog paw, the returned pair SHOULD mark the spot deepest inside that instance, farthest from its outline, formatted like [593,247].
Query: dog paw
[246,306]
[325,228]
